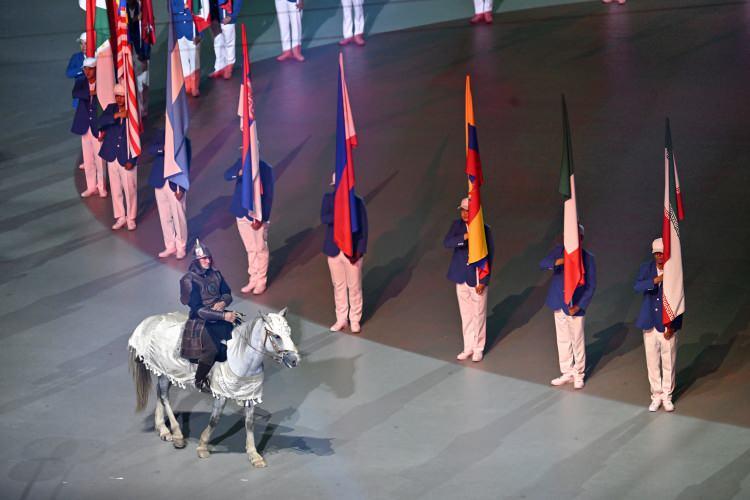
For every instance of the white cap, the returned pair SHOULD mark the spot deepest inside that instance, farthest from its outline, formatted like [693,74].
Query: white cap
[119,89]
[82,38]
[89,62]
[657,246]
[464,204]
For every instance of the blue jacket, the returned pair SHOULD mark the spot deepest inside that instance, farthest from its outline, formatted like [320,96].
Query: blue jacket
[182,18]
[156,176]
[326,217]
[266,198]
[459,271]
[651,307]
[218,14]
[583,294]
[115,144]
[86,109]
[75,70]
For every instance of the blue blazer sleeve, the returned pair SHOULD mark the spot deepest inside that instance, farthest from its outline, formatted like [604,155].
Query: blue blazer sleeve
[490,253]
[590,287]
[108,116]
[233,172]
[81,89]
[363,229]
[326,209]
[548,263]
[455,236]
[75,66]
[236,7]
[645,281]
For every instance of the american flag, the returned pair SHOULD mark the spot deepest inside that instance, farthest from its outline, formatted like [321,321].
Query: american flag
[126,78]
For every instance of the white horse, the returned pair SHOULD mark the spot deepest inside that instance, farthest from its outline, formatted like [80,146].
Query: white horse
[155,347]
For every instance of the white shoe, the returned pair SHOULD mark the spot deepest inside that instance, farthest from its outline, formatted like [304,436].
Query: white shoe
[88,193]
[655,404]
[578,384]
[259,289]
[355,327]
[562,380]
[167,252]
[463,355]
[131,225]
[477,357]
[248,288]
[338,326]
[180,254]
[119,224]
[668,405]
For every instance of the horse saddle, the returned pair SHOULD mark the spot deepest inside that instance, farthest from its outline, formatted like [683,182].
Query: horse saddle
[194,334]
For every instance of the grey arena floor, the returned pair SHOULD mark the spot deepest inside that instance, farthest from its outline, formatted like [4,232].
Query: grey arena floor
[360,418]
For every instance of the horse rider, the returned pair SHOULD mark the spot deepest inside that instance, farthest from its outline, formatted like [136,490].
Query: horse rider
[205,292]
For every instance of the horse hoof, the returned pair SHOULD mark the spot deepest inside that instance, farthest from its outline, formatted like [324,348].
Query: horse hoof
[178,443]
[165,436]
[203,453]
[258,462]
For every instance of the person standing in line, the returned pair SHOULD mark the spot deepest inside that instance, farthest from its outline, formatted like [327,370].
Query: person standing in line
[188,41]
[346,270]
[570,318]
[470,290]
[354,25]
[171,202]
[482,12]
[86,124]
[253,232]
[659,342]
[289,15]
[122,168]
[224,15]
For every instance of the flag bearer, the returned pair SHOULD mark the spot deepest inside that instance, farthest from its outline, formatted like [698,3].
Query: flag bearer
[188,40]
[570,318]
[122,168]
[659,342]
[353,25]
[171,202]
[471,291]
[224,16]
[86,124]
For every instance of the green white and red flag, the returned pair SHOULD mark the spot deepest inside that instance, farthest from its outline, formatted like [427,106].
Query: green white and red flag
[98,45]
[573,253]
[673,290]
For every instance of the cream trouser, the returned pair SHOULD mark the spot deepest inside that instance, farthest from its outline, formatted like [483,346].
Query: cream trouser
[482,6]
[190,56]
[660,351]
[93,164]
[347,279]
[256,246]
[224,47]
[290,24]
[125,182]
[358,23]
[571,345]
[473,309]
[172,217]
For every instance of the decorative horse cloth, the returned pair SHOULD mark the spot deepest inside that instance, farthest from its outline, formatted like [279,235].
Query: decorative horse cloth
[161,356]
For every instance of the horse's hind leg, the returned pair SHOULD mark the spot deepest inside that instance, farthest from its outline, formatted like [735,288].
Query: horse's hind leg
[218,407]
[178,441]
[159,425]
[252,453]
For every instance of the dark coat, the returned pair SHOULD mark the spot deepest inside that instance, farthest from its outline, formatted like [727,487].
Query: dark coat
[266,198]
[459,270]
[650,315]
[583,294]
[359,238]
[87,109]
[115,143]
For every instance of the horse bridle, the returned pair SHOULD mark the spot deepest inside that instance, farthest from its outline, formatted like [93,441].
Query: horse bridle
[278,355]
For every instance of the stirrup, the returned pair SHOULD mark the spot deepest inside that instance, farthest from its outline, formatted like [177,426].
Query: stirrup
[203,386]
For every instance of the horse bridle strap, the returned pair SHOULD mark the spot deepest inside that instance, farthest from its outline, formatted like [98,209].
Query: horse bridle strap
[278,355]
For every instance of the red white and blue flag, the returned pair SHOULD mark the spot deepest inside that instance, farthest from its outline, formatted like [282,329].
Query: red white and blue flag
[345,217]
[251,186]
[478,253]
[126,78]
[176,160]
[673,290]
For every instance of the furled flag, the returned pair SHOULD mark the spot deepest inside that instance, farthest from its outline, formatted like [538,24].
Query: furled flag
[673,290]
[345,217]
[126,77]
[148,25]
[176,120]
[573,254]
[201,14]
[251,186]
[477,239]
[98,44]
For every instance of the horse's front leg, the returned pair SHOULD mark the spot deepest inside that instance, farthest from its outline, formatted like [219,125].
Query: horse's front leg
[218,407]
[159,425]
[178,441]
[252,453]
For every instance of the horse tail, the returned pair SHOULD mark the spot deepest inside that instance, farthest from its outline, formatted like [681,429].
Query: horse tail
[142,379]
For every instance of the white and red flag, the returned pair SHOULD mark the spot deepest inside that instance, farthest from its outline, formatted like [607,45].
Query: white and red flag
[201,14]
[573,253]
[673,290]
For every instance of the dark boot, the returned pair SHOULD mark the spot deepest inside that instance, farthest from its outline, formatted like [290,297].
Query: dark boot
[201,378]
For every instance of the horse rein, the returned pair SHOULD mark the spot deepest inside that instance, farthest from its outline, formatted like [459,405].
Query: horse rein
[279,353]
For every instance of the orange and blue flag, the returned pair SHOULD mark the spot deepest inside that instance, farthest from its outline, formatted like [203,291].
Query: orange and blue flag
[345,217]
[478,253]
[176,157]
[251,185]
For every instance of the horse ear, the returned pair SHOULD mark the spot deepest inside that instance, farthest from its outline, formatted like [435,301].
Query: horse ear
[282,313]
